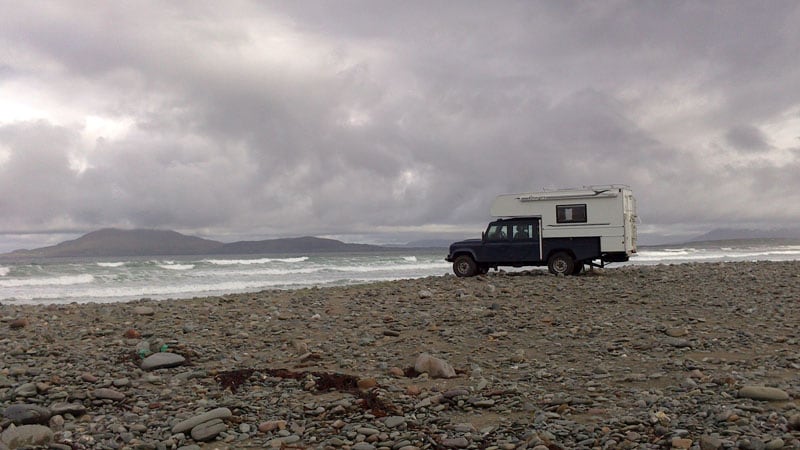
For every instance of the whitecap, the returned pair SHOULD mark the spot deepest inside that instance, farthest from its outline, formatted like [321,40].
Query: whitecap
[111,264]
[65,280]
[232,262]
[177,266]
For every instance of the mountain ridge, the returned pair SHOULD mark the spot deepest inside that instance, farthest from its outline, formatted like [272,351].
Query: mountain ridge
[108,242]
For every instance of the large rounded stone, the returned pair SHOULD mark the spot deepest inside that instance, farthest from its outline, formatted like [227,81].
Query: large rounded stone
[162,360]
[208,430]
[434,367]
[188,424]
[27,414]
[763,393]
[26,436]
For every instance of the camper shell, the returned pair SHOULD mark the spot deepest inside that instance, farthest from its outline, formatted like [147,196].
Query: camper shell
[565,229]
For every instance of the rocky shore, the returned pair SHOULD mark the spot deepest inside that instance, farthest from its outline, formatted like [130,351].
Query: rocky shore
[694,356]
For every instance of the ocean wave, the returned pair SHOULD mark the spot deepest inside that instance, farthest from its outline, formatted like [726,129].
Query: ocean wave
[111,264]
[410,258]
[232,262]
[390,267]
[64,280]
[129,293]
[177,266]
[4,271]
[267,271]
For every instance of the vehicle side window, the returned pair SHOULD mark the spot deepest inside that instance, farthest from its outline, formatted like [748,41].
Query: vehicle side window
[496,233]
[526,231]
[571,214]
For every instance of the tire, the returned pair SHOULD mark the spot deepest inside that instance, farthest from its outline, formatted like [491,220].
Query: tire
[561,264]
[464,266]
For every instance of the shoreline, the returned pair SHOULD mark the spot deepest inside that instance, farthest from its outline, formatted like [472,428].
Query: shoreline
[636,356]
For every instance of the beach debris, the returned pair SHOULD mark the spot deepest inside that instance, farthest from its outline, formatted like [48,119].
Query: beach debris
[132,334]
[232,379]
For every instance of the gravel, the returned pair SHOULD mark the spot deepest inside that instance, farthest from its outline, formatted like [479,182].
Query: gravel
[694,356]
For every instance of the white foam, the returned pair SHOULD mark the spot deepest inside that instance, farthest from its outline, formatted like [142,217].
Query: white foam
[4,271]
[390,267]
[111,264]
[410,258]
[177,266]
[232,262]
[65,280]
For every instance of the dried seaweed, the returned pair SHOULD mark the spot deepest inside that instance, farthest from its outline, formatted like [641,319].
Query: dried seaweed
[323,382]
[233,378]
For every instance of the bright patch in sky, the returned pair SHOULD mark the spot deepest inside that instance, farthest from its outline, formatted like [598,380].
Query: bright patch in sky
[785,131]
[5,154]
[106,128]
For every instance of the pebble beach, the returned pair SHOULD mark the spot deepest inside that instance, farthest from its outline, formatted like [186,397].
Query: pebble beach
[689,356]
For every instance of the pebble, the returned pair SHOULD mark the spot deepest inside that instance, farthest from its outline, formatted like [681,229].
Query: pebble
[108,394]
[634,357]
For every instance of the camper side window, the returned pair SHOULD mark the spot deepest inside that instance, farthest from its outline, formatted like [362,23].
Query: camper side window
[571,214]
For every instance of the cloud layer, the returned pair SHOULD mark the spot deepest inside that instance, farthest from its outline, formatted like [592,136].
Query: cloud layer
[389,121]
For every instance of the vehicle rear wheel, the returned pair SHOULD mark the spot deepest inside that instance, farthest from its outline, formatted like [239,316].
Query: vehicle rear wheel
[561,264]
[464,266]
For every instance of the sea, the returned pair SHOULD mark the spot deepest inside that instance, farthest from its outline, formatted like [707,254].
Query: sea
[107,280]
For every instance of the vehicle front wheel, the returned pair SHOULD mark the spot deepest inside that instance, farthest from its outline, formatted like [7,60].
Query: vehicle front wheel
[561,264]
[464,266]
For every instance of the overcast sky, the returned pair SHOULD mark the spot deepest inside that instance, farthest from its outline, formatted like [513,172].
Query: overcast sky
[385,121]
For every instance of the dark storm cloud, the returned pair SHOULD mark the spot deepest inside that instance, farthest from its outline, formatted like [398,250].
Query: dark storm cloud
[747,137]
[391,120]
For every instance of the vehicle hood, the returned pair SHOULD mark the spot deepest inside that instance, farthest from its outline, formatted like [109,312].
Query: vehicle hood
[466,242]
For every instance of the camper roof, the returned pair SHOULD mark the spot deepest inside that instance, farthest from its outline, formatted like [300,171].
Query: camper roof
[587,191]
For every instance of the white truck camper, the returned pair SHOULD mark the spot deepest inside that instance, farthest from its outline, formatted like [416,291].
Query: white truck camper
[565,229]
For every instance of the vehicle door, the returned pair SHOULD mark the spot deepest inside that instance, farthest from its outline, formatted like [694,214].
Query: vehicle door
[525,240]
[496,243]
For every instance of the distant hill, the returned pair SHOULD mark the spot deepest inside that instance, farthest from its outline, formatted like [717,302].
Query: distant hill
[115,242]
[295,245]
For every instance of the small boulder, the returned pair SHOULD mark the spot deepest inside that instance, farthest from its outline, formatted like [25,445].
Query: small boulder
[207,431]
[26,436]
[27,414]
[434,367]
[763,393]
